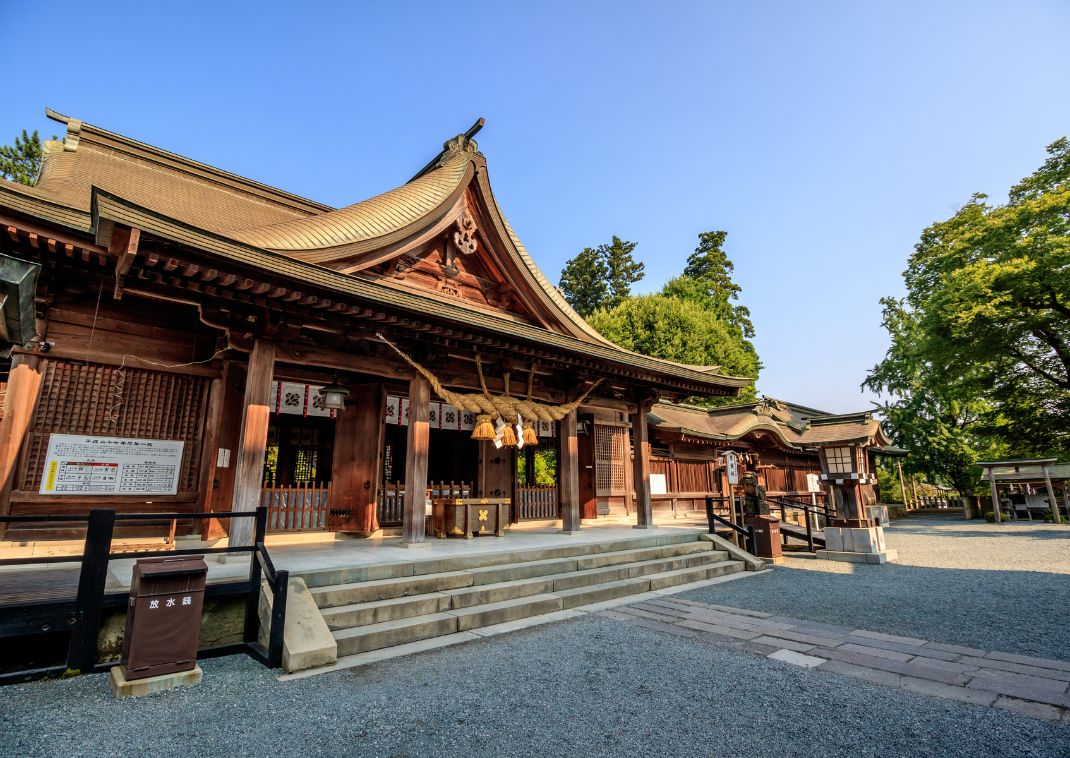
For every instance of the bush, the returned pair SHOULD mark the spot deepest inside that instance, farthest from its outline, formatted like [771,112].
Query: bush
[991,517]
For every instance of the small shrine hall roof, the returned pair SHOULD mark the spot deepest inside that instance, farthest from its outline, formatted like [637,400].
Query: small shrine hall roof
[93,175]
[793,425]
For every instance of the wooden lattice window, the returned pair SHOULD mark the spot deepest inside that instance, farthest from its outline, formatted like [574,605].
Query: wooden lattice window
[79,398]
[611,458]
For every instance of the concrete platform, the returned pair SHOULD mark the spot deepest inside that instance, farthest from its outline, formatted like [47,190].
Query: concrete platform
[121,687]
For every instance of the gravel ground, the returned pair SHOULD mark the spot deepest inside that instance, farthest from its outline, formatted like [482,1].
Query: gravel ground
[589,687]
[962,582]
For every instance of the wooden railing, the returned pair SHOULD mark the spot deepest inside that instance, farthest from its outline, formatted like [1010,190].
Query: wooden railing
[392,498]
[536,501]
[299,507]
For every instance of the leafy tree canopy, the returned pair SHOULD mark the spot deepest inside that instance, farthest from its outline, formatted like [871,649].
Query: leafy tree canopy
[678,330]
[979,365]
[21,162]
[600,277]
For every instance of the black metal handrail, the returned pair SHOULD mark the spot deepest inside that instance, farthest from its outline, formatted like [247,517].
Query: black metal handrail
[83,614]
[808,510]
[712,518]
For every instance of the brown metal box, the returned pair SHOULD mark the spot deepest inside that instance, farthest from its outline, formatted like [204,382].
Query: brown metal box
[163,619]
[766,536]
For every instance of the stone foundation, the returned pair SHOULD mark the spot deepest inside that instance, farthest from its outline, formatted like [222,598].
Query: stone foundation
[865,545]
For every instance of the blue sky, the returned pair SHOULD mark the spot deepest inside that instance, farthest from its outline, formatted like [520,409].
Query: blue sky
[822,136]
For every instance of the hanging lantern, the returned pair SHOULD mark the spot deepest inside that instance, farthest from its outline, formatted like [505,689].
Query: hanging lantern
[334,396]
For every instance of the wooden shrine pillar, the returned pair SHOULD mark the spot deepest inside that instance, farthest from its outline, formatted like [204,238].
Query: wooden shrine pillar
[252,445]
[995,496]
[23,390]
[644,513]
[1051,495]
[414,516]
[356,467]
[568,468]
[213,422]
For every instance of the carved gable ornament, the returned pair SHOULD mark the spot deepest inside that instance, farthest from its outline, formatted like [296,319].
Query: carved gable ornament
[464,242]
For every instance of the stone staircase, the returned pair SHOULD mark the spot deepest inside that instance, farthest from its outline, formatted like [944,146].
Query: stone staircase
[383,605]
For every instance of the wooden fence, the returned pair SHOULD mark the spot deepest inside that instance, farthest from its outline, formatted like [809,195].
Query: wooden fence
[537,501]
[392,498]
[299,507]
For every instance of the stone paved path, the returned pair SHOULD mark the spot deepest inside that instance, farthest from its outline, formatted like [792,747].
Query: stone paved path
[1033,686]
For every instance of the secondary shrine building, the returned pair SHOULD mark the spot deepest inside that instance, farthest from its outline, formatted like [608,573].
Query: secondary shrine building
[184,339]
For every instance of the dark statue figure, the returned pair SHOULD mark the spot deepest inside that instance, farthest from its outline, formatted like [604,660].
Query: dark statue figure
[754,502]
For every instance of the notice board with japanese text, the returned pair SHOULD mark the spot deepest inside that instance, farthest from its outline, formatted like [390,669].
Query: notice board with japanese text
[91,465]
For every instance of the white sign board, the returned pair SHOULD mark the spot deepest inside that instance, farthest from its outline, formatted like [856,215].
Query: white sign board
[731,465]
[657,484]
[88,465]
[813,483]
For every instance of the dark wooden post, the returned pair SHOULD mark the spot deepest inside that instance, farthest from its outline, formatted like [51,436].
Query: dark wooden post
[415,514]
[641,466]
[356,469]
[23,389]
[210,450]
[82,652]
[249,472]
[569,473]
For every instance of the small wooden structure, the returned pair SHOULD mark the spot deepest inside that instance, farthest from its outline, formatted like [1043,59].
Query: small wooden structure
[1021,478]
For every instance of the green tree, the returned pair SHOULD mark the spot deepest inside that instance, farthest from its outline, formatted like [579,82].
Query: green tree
[624,270]
[585,281]
[935,414]
[707,279]
[600,277]
[678,330]
[21,162]
[990,291]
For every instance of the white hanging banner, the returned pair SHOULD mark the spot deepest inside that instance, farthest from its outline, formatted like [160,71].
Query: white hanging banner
[468,421]
[393,410]
[545,428]
[298,399]
[450,418]
[434,415]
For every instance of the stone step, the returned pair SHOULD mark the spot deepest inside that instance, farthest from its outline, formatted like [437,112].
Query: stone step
[400,631]
[668,579]
[392,609]
[361,639]
[643,554]
[385,589]
[496,593]
[507,610]
[598,593]
[395,569]
[636,569]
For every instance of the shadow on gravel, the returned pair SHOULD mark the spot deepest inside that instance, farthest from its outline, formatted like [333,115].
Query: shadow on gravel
[1013,611]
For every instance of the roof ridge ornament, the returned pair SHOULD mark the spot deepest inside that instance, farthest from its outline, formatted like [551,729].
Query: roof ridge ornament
[462,143]
[73,136]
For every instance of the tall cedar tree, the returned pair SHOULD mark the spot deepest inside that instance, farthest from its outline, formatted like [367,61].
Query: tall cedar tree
[693,320]
[21,162]
[600,277]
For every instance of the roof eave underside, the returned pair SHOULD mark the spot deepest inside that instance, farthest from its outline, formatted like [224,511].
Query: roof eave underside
[119,210]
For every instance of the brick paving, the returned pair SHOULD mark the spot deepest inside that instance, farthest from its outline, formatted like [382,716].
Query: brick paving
[1028,685]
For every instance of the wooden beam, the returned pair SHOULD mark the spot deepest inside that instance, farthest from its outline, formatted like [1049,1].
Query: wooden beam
[415,515]
[123,248]
[641,465]
[248,477]
[20,402]
[569,468]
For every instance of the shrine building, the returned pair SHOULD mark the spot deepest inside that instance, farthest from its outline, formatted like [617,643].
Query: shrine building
[183,339]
